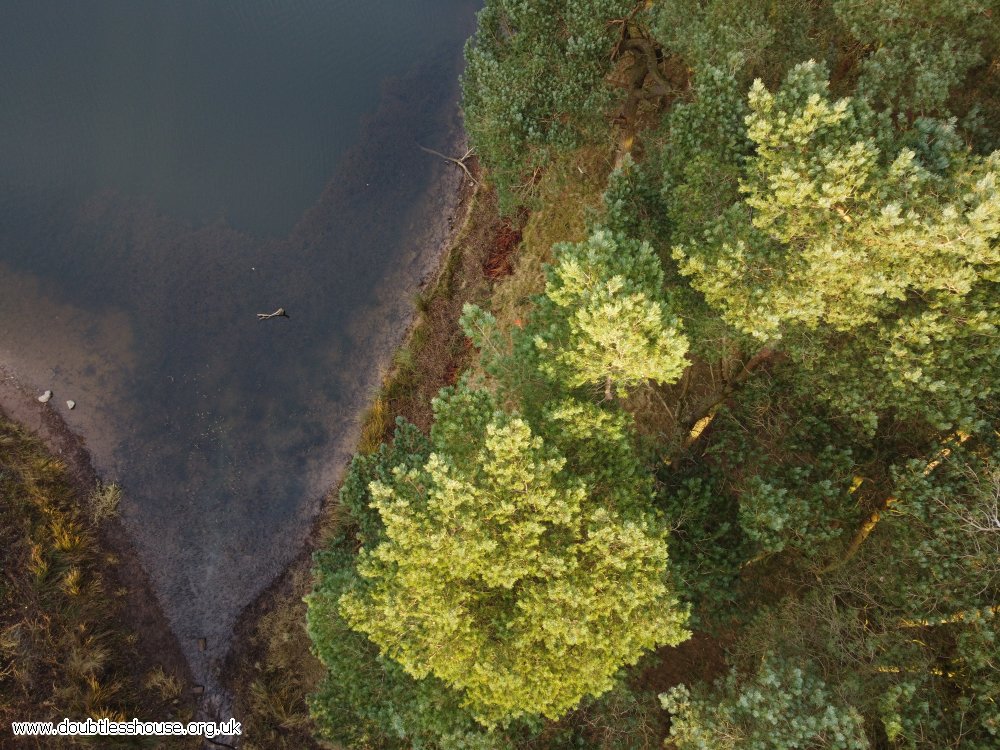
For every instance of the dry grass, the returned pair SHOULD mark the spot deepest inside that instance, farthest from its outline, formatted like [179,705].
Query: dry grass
[104,501]
[166,686]
[64,651]
[376,424]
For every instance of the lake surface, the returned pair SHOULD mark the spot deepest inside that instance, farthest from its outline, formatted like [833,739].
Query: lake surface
[167,171]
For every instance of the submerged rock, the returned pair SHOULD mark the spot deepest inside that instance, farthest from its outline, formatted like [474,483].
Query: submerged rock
[44,398]
[71,404]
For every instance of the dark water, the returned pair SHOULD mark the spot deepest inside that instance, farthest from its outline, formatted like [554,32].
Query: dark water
[167,171]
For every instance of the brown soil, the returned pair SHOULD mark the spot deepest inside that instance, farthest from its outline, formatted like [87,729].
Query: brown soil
[500,259]
[438,350]
[701,658]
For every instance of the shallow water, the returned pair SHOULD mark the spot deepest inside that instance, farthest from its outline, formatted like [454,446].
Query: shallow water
[170,169]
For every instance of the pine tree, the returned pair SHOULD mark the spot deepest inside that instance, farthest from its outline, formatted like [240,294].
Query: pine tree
[902,623]
[780,707]
[604,319]
[506,576]
[921,51]
[535,83]
[366,700]
[849,231]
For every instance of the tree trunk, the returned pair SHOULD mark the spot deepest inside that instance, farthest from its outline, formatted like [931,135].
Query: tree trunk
[708,413]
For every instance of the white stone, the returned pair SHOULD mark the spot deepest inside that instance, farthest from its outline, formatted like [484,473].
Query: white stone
[71,404]
[45,397]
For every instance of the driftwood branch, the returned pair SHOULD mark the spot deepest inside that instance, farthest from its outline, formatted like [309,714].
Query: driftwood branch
[279,313]
[459,161]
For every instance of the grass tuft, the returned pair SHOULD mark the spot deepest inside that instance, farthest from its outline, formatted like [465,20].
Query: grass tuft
[63,649]
[104,501]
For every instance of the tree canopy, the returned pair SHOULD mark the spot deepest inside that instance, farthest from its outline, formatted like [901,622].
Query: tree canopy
[504,575]
[772,349]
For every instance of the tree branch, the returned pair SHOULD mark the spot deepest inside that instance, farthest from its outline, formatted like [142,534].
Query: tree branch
[460,161]
[876,515]
[949,619]
[709,412]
